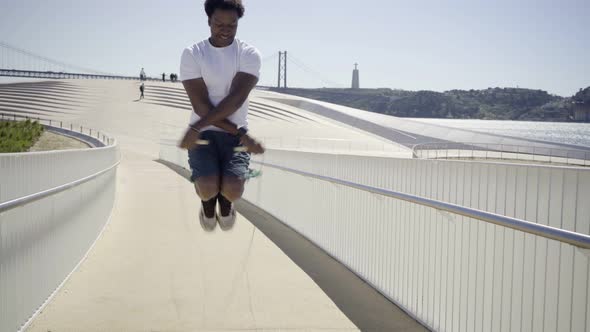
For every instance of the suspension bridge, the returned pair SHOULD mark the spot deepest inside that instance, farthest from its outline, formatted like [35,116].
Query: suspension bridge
[17,62]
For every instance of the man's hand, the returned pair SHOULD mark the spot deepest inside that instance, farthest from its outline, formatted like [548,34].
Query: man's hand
[252,145]
[189,141]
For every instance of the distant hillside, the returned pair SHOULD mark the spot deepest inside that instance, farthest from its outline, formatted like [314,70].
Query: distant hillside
[583,96]
[493,103]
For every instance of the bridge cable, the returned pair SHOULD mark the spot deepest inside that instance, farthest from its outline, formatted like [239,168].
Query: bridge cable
[64,65]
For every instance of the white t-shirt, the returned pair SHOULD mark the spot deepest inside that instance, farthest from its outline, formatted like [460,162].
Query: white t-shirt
[218,66]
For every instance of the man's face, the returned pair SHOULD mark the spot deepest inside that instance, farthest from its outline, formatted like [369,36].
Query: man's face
[224,26]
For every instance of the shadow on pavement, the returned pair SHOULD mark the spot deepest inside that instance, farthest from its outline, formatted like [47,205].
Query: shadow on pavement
[368,309]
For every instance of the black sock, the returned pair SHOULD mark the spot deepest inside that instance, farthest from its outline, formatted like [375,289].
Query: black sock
[209,207]
[224,205]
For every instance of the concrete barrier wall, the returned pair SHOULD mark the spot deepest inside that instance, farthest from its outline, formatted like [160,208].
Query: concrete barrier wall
[43,241]
[452,273]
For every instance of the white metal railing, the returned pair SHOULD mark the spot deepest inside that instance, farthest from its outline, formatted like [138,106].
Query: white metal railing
[579,240]
[472,150]
[452,271]
[53,206]
[12,204]
[87,133]
[325,145]
[332,145]
[171,133]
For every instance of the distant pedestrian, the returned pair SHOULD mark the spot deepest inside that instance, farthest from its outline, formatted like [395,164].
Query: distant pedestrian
[141,89]
[142,75]
[163,77]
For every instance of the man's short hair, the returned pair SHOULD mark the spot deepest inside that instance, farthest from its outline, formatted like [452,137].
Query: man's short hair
[212,5]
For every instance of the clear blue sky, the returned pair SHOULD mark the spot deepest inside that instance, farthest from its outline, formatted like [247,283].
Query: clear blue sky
[418,45]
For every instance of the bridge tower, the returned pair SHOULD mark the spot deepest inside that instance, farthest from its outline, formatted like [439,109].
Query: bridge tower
[355,77]
[282,70]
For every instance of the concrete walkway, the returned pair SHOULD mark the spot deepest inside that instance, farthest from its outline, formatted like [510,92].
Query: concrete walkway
[154,269]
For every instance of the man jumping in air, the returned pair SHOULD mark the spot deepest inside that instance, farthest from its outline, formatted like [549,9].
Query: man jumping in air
[218,74]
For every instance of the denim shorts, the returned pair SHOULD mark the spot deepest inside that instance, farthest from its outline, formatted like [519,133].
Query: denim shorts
[218,157]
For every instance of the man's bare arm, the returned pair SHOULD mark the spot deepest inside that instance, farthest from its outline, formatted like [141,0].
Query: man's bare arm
[240,89]
[199,97]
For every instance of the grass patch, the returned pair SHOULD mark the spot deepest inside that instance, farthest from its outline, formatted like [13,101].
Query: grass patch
[19,136]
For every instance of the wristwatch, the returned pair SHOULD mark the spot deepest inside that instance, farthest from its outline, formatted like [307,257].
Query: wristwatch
[242,132]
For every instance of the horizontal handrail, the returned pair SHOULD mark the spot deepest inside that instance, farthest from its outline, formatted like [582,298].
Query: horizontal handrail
[502,147]
[52,74]
[102,137]
[573,238]
[9,205]
[459,145]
